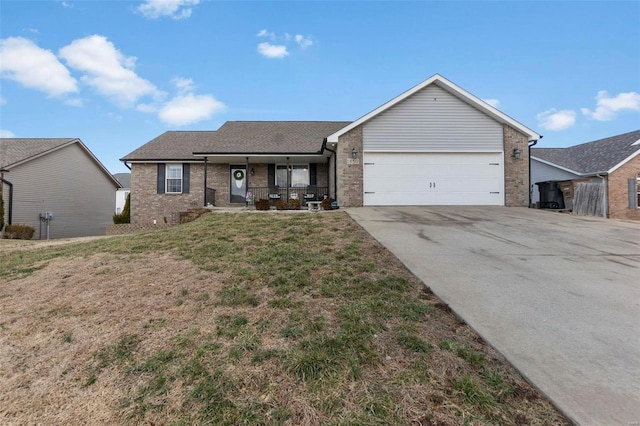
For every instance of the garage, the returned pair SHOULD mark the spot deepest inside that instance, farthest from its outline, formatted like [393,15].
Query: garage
[435,144]
[397,179]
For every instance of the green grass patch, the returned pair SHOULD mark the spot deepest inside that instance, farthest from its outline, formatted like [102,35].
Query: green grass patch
[473,393]
[293,321]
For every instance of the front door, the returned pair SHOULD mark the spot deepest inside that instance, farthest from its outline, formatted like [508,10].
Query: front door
[238,184]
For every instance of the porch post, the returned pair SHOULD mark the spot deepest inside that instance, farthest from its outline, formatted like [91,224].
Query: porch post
[288,183]
[328,168]
[205,181]
[246,182]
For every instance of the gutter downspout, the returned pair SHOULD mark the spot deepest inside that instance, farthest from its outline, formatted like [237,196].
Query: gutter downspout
[10,199]
[205,181]
[604,195]
[126,165]
[335,168]
[532,143]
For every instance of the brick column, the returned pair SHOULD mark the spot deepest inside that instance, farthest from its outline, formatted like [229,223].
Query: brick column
[350,172]
[516,170]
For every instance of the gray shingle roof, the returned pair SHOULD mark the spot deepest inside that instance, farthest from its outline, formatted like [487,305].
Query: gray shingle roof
[592,157]
[15,150]
[173,145]
[239,137]
[124,179]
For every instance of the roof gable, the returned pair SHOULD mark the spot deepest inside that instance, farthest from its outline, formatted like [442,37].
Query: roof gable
[600,156]
[124,179]
[14,151]
[450,87]
[17,151]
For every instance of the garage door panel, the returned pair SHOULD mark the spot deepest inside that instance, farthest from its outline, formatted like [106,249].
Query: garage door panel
[433,179]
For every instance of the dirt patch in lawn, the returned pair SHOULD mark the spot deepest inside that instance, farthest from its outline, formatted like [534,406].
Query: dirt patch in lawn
[197,326]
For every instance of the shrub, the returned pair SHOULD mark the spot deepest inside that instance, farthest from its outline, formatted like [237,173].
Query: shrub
[281,205]
[125,215]
[19,232]
[293,204]
[326,203]
[262,204]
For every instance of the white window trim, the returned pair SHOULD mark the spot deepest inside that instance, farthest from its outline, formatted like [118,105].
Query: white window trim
[167,178]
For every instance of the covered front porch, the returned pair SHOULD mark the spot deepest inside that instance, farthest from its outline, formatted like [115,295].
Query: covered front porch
[242,181]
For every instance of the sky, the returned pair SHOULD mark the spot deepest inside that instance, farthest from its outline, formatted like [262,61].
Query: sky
[117,74]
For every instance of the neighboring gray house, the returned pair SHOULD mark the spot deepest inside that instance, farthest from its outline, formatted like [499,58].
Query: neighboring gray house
[614,161]
[61,177]
[121,193]
[435,144]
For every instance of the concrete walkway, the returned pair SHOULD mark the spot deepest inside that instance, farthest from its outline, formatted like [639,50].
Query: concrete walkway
[557,295]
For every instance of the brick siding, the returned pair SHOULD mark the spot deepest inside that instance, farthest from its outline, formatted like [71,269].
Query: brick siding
[350,176]
[516,171]
[147,205]
[617,191]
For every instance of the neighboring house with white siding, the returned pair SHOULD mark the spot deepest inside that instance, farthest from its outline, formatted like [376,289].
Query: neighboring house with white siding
[121,193]
[435,144]
[61,177]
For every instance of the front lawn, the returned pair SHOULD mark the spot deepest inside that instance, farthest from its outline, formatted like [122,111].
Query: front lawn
[242,319]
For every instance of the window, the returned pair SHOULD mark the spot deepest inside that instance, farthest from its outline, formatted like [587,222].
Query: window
[298,175]
[174,179]
[638,191]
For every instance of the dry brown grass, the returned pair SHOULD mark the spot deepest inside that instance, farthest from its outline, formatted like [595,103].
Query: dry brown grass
[136,330]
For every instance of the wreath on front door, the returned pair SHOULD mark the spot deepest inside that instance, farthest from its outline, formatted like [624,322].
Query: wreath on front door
[238,175]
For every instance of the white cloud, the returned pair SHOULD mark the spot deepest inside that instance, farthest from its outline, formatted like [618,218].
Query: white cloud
[184,85]
[23,61]
[553,119]
[66,4]
[188,108]
[272,51]
[176,9]
[6,134]
[493,102]
[303,42]
[107,70]
[608,107]
[3,101]
[265,33]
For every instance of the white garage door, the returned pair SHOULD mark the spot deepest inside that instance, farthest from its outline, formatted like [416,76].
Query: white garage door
[397,179]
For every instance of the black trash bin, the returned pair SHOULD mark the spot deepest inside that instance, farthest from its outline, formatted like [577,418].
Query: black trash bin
[550,195]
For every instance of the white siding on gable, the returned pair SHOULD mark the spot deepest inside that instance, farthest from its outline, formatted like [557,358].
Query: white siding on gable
[542,172]
[432,120]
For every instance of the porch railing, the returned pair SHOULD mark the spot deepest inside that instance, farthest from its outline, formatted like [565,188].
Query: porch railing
[275,193]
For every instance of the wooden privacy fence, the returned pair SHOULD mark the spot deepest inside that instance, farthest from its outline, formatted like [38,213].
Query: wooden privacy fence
[589,199]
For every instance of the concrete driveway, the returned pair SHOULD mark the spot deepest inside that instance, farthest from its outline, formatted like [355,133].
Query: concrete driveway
[557,295]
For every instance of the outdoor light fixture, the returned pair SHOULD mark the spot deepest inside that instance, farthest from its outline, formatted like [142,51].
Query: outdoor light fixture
[516,153]
[251,172]
[354,153]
